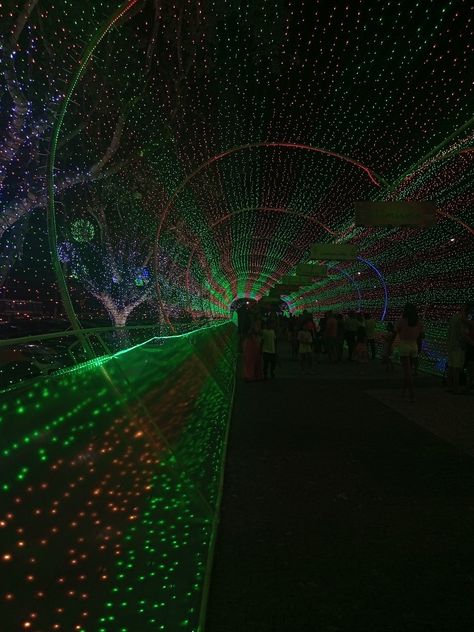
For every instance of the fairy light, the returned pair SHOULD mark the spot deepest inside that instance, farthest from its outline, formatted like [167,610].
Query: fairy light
[127,506]
[203,149]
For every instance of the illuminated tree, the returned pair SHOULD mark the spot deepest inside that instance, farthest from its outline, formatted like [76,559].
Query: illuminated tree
[107,248]
[32,77]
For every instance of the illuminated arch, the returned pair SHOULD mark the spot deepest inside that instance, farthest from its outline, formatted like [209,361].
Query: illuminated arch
[352,281]
[310,219]
[263,209]
[376,180]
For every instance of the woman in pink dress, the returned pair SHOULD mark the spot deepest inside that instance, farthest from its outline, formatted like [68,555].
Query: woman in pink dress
[252,356]
[409,329]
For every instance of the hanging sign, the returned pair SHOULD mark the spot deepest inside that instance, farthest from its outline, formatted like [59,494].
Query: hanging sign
[397,213]
[285,287]
[311,270]
[334,252]
[295,281]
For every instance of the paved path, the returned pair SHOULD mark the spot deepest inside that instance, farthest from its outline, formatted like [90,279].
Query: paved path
[342,513]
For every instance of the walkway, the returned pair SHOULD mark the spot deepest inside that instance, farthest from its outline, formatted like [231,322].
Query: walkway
[341,512]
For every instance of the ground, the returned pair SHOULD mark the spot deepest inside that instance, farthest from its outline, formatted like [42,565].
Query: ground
[346,508]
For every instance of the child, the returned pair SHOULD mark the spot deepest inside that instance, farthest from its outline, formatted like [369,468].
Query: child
[361,353]
[388,338]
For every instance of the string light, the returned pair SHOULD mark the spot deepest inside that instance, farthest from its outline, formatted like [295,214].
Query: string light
[123,537]
[205,147]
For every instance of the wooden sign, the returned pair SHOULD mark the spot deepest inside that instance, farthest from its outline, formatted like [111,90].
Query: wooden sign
[285,289]
[295,281]
[398,213]
[311,270]
[334,252]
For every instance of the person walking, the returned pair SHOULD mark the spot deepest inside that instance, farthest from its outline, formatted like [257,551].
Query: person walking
[252,356]
[361,354]
[370,326]
[269,349]
[339,338]
[330,334]
[305,341]
[350,330]
[469,361]
[458,340]
[409,328]
[388,340]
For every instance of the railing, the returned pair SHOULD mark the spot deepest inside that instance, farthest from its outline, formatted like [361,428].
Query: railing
[26,357]
[110,475]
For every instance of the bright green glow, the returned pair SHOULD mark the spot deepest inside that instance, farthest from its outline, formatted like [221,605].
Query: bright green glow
[97,362]
[126,463]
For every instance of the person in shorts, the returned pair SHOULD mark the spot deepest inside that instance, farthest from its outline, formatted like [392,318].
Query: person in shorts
[409,328]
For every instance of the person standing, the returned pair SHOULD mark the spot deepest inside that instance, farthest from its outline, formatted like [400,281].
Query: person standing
[310,325]
[350,330]
[252,356]
[388,339]
[340,337]
[322,330]
[469,362]
[419,344]
[330,335]
[305,349]
[293,339]
[269,349]
[361,354]
[409,328]
[370,325]
[458,340]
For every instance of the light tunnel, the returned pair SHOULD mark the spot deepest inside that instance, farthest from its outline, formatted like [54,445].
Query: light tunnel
[305,194]
[158,162]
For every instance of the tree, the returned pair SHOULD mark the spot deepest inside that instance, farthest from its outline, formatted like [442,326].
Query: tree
[108,247]
[32,78]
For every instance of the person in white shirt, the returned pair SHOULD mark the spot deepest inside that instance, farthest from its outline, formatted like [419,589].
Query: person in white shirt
[269,349]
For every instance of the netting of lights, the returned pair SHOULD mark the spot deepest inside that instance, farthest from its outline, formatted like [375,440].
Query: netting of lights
[184,155]
[205,146]
[109,487]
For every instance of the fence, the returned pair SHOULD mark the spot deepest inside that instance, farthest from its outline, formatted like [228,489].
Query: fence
[110,476]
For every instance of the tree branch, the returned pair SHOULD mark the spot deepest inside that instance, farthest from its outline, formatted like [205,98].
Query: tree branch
[115,142]
[154,36]
[21,21]
[147,258]
[13,137]
[17,209]
[99,215]
[141,299]
[75,132]
[9,255]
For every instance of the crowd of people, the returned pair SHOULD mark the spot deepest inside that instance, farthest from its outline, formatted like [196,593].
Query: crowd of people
[354,337]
